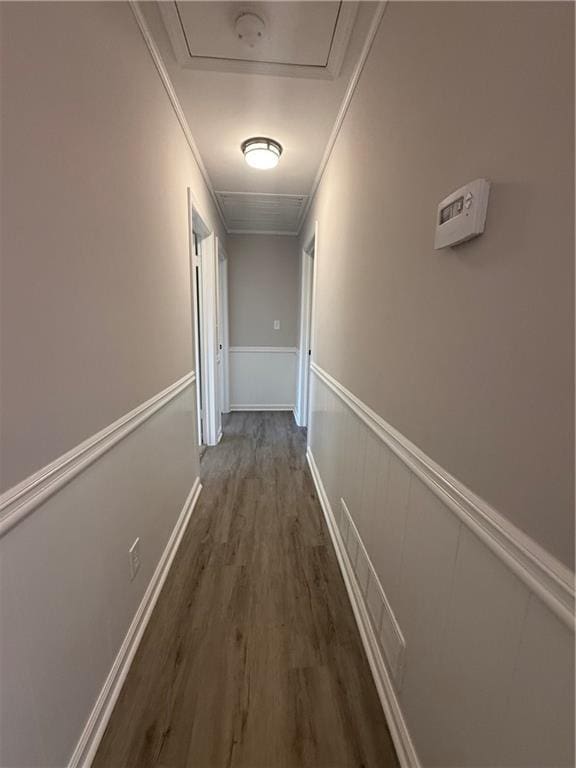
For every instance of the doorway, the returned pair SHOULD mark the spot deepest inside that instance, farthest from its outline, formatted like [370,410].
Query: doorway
[198,334]
[203,271]
[308,271]
[223,336]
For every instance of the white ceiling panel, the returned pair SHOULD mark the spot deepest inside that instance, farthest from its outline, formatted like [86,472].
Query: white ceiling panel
[291,39]
[294,33]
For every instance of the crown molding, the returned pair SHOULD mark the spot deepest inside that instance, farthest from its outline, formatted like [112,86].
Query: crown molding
[352,85]
[179,112]
[176,106]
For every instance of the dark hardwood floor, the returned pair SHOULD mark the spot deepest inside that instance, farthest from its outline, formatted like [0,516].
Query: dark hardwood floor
[252,657]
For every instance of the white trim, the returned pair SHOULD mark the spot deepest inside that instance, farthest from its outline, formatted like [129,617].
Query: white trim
[176,106]
[278,350]
[350,90]
[19,501]
[308,273]
[206,335]
[224,330]
[196,313]
[214,356]
[407,756]
[288,407]
[544,575]
[96,724]
[208,259]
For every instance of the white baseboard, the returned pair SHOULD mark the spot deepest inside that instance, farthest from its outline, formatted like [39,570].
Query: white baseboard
[251,407]
[405,749]
[100,715]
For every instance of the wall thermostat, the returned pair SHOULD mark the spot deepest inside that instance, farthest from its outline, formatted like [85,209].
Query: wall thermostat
[462,215]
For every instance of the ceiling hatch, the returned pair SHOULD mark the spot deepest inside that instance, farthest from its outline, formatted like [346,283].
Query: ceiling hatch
[294,39]
[259,213]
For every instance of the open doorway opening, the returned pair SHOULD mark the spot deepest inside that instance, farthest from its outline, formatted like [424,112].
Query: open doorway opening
[306,346]
[198,334]
[223,335]
[203,271]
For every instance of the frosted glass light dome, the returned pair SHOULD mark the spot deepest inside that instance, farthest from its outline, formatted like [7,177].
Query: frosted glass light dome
[261,153]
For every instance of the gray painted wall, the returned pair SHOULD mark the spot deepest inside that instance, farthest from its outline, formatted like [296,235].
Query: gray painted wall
[468,352]
[94,236]
[263,286]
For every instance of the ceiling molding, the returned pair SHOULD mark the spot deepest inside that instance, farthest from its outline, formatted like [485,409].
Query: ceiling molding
[177,107]
[179,112]
[329,71]
[352,85]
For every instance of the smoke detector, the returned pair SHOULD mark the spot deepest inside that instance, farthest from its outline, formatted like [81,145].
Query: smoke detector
[250,29]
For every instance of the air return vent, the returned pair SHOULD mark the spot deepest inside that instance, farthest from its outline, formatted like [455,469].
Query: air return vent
[258,212]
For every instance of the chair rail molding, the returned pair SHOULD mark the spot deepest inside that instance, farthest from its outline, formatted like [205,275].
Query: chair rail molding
[18,502]
[543,574]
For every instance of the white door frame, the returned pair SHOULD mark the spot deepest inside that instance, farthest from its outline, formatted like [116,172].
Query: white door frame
[307,325]
[205,357]
[223,331]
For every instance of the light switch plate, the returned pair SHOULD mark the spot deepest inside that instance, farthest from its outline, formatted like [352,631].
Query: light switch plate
[276,325]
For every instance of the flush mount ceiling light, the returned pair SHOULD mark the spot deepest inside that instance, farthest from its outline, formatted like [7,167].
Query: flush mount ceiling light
[261,153]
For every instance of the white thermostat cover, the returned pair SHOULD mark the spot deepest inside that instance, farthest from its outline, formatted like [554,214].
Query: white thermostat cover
[462,215]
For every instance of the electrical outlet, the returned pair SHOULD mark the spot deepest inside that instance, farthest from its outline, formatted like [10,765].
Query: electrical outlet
[276,325]
[134,558]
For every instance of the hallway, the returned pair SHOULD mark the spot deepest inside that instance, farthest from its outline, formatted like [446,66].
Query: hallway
[252,656]
[287,384]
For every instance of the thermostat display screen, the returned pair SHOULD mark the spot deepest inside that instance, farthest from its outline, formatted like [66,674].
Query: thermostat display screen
[451,210]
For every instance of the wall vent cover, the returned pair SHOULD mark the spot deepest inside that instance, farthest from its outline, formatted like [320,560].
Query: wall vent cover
[260,212]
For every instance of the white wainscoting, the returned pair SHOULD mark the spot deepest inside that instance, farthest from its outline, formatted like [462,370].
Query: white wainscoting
[263,378]
[70,617]
[485,675]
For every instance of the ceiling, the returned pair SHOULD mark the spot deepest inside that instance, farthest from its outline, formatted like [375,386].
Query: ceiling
[303,38]
[290,86]
[257,212]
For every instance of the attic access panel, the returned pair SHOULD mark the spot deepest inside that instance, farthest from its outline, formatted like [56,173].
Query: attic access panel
[298,39]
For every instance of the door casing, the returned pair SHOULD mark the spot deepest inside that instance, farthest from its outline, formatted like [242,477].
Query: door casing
[205,336]
[309,261]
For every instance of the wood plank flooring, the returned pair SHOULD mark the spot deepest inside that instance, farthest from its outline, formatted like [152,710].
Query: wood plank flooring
[252,658]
